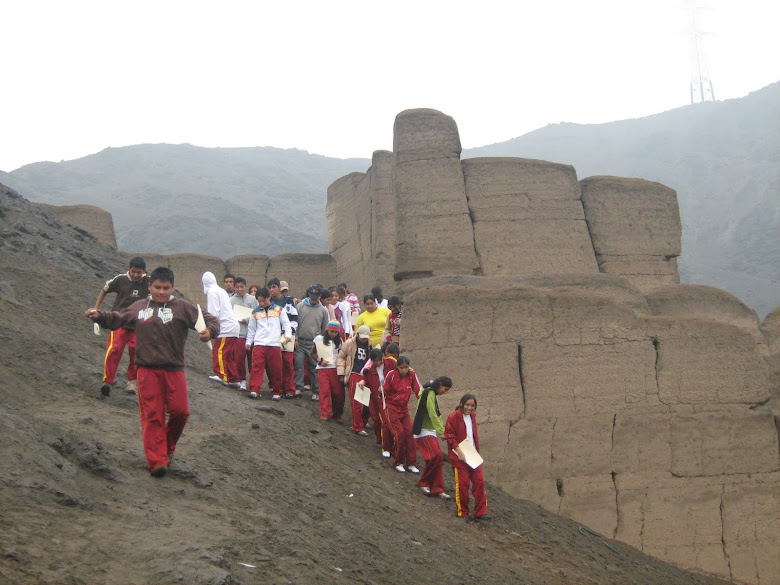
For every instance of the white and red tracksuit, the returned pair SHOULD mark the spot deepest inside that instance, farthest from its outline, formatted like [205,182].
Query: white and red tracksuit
[455,432]
[330,387]
[264,334]
[398,390]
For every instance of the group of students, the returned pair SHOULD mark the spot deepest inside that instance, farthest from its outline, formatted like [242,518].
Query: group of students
[148,318]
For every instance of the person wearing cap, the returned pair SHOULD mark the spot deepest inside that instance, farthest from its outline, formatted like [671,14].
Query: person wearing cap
[312,321]
[352,357]
[375,317]
[331,388]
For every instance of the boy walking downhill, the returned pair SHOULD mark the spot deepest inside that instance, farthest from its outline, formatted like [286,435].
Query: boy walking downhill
[129,287]
[264,334]
[224,354]
[243,299]
[280,298]
[161,323]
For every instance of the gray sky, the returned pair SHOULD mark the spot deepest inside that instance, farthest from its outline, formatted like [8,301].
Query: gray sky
[330,77]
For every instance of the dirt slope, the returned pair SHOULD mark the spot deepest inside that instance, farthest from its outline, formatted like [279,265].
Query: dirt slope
[259,492]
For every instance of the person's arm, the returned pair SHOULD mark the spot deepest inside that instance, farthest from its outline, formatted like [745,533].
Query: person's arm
[436,421]
[451,434]
[341,361]
[212,327]
[112,320]
[286,326]
[251,328]
[101,296]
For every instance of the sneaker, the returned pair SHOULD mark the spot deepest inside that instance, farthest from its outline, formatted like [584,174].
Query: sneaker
[131,386]
[412,469]
[361,434]
[307,387]
[105,389]
[315,396]
[254,395]
[324,418]
[290,396]
[444,496]
[276,397]
[425,489]
[159,471]
[216,379]
[242,385]
[400,469]
[385,454]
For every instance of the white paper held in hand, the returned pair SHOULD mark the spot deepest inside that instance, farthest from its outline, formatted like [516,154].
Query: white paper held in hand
[96,329]
[362,394]
[473,458]
[200,325]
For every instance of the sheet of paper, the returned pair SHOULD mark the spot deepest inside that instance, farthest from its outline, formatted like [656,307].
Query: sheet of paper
[200,325]
[354,318]
[473,459]
[96,329]
[289,345]
[241,312]
[325,352]
[363,395]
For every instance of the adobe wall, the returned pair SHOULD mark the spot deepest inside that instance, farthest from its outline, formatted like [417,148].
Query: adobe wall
[299,270]
[607,391]
[93,219]
[639,418]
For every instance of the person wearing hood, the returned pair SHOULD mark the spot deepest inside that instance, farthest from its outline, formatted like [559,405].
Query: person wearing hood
[161,323]
[225,351]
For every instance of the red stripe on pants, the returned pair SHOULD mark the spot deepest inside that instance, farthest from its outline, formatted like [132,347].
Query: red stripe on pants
[433,474]
[464,476]
[262,356]
[359,412]
[401,426]
[115,346]
[331,392]
[161,392]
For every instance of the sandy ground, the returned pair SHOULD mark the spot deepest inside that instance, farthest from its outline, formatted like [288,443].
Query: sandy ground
[259,492]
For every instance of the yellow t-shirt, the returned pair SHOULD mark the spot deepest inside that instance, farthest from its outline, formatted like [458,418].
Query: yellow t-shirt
[376,321]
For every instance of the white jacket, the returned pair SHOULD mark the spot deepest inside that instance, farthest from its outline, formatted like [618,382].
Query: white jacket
[218,304]
[266,325]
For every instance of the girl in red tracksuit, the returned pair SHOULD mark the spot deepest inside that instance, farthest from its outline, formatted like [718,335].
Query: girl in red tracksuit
[462,424]
[428,428]
[374,374]
[398,387]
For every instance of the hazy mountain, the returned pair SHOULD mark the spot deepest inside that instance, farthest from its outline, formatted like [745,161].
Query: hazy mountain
[722,158]
[181,198]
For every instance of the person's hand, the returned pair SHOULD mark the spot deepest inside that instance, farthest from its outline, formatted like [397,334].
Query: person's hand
[287,339]
[91,313]
[244,321]
[248,347]
[460,454]
[362,383]
[205,335]
[296,343]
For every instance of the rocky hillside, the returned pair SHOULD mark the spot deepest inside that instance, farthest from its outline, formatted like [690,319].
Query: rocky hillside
[257,493]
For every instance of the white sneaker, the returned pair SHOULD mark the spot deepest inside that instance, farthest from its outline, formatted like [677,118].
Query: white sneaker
[412,469]
[216,379]
[242,385]
[276,397]
[385,454]
[131,387]
[400,469]
[425,489]
[444,496]
[254,395]
[315,396]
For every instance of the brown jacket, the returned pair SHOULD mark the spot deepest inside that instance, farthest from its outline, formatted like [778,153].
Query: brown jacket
[347,356]
[161,330]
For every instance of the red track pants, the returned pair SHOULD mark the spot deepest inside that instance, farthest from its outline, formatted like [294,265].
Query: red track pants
[115,346]
[224,358]
[262,356]
[464,476]
[288,372]
[359,412]
[161,392]
[331,392]
[400,423]
[433,474]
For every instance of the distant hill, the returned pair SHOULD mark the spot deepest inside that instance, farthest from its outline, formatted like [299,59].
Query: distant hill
[181,198]
[722,158]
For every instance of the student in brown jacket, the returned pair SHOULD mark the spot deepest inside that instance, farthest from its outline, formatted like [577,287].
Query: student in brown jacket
[161,323]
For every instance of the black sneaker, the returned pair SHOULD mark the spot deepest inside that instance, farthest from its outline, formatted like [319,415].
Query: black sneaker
[159,471]
[105,389]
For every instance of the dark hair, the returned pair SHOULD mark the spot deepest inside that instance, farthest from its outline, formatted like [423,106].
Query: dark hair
[228,275]
[259,286]
[325,294]
[465,399]
[367,298]
[392,347]
[402,359]
[377,292]
[263,292]
[344,285]
[394,301]
[326,339]
[161,273]
[138,262]
[340,290]
[275,281]
[239,279]
[375,353]
[438,383]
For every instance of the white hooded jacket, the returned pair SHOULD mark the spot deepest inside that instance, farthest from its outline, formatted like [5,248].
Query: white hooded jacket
[218,304]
